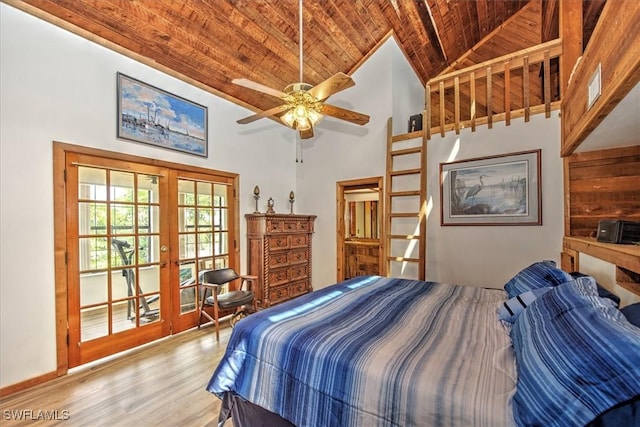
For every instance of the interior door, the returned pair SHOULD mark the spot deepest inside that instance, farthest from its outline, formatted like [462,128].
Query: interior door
[118,253]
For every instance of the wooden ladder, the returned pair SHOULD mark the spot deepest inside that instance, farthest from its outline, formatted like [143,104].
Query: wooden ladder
[406,203]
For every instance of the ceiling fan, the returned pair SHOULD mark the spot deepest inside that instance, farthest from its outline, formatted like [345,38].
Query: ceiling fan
[304,104]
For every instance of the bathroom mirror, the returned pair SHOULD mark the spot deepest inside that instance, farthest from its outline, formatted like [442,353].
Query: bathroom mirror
[362,215]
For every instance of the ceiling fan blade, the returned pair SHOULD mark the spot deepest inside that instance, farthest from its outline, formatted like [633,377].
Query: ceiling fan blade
[344,114]
[334,84]
[259,87]
[265,113]
[306,134]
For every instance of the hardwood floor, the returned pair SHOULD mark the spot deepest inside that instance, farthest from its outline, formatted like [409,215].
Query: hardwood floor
[160,384]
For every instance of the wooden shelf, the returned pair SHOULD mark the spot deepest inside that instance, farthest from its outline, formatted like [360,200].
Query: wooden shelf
[625,256]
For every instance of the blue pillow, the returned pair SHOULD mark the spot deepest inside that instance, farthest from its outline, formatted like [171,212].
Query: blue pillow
[632,313]
[511,308]
[602,291]
[576,357]
[538,275]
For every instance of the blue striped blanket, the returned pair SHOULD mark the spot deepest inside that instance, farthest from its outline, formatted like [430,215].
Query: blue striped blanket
[376,351]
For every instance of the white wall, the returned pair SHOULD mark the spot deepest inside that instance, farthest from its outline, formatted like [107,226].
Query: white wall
[490,255]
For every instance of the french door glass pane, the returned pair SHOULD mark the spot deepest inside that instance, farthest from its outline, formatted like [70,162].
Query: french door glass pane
[202,228]
[118,249]
[94,289]
[94,322]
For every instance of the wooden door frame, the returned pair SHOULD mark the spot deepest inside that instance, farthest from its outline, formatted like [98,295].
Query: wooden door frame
[354,184]
[60,150]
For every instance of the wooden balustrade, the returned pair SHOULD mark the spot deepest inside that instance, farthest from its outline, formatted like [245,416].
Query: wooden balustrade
[511,86]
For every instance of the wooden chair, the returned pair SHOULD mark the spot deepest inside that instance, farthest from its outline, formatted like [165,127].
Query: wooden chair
[233,300]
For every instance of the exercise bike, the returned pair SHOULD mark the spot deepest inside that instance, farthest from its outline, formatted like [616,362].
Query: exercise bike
[126,253]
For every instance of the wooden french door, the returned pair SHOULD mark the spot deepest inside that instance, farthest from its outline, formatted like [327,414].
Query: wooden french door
[118,254]
[138,236]
[202,233]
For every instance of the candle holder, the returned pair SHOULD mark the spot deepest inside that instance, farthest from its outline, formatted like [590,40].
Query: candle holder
[291,200]
[270,206]
[256,196]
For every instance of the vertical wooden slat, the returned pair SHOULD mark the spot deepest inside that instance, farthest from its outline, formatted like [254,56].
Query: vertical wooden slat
[456,101]
[525,88]
[507,93]
[472,89]
[547,85]
[427,110]
[489,99]
[442,107]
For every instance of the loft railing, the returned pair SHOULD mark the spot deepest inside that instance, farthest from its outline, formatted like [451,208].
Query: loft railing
[511,86]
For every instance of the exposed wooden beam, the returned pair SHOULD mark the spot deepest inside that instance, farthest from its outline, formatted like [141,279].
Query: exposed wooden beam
[571,35]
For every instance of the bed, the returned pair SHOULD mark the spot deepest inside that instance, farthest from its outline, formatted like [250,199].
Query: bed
[376,351]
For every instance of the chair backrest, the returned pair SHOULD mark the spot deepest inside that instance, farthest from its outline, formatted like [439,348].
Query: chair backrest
[219,276]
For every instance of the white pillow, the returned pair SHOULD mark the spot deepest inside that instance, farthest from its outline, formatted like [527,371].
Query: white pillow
[511,308]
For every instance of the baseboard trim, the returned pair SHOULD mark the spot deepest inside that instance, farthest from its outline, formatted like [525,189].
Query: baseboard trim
[15,388]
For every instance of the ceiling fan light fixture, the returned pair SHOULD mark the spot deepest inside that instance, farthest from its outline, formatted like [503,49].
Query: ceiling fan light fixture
[303,110]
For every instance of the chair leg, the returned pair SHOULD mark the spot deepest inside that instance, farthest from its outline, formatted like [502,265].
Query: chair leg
[216,321]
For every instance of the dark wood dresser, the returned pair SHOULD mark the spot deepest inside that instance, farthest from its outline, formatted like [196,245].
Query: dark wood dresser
[279,253]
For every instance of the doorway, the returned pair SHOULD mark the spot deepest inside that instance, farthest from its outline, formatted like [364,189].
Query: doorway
[360,231]
[136,234]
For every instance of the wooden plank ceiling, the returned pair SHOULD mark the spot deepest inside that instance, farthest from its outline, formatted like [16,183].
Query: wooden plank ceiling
[209,43]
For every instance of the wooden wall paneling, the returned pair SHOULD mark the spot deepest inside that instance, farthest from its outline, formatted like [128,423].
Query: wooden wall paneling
[603,184]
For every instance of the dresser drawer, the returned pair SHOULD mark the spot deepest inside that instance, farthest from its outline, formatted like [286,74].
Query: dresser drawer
[279,294]
[304,225]
[278,259]
[279,242]
[275,226]
[291,226]
[298,256]
[299,240]
[298,272]
[278,276]
[298,288]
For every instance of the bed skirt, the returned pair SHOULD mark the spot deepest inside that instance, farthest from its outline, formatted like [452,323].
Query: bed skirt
[247,414]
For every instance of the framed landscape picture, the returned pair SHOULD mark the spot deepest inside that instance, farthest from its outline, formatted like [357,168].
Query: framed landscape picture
[496,190]
[153,116]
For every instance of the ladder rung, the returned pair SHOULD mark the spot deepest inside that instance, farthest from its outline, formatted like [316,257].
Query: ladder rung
[405,193]
[404,214]
[407,136]
[406,172]
[404,151]
[403,236]
[403,259]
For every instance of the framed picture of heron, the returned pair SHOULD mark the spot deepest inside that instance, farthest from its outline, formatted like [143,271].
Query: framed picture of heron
[496,190]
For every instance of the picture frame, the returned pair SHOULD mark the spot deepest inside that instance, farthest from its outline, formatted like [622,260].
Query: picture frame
[503,189]
[153,116]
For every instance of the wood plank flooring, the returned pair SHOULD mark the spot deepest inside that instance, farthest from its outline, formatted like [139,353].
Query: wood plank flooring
[160,384]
